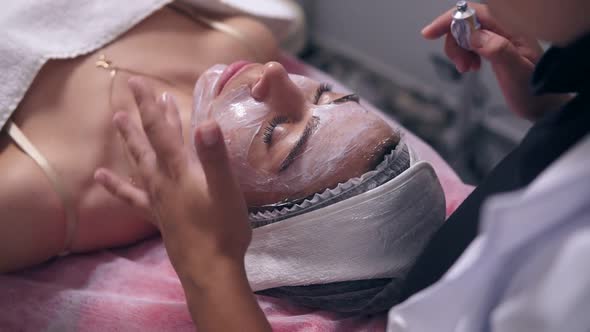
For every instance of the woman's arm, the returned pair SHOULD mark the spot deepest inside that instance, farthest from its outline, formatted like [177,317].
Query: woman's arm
[198,206]
[32,227]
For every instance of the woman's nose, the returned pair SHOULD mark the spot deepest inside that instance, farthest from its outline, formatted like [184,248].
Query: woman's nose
[277,90]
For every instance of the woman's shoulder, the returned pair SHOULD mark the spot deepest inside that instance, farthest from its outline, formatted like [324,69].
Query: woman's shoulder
[23,181]
[257,33]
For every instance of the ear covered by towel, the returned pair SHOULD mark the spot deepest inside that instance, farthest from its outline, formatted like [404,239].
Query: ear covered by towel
[342,256]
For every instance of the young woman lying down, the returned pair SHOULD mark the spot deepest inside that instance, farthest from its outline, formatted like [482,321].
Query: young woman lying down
[322,176]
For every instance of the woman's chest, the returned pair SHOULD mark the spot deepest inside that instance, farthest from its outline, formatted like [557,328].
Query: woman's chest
[67,113]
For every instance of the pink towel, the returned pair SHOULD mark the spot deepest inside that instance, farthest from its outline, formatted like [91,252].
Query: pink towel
[131,289]
[136,289]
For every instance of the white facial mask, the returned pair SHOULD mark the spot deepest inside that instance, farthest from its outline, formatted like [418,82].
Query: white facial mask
[242,118]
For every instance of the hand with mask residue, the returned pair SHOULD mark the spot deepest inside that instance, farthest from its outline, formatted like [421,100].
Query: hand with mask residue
[197,205]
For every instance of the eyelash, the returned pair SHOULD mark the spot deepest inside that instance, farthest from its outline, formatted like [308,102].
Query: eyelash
[324,87]
[268,130]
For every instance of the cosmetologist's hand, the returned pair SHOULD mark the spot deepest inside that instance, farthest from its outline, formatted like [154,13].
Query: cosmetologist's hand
[198,206]
[513,58]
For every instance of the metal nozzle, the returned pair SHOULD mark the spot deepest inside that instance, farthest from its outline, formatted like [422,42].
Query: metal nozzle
[462,6]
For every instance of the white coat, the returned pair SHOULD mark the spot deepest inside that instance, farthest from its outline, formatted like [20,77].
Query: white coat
[529,267]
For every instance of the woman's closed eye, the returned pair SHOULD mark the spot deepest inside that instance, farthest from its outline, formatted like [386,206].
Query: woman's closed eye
[344,99]
[271,126]
[267,135]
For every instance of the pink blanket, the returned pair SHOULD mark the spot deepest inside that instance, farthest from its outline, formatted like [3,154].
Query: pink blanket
[136,289]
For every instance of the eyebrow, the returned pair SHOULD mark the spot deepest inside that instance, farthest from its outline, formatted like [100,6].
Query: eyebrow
[298,147]
[350,97]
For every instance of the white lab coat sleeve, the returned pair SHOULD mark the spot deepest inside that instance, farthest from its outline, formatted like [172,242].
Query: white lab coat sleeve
[528,268]
[551,291]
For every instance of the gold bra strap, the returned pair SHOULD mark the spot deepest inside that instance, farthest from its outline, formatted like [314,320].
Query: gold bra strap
[70,212]
[188,11]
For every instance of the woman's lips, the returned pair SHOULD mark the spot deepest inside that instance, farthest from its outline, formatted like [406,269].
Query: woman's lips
[230,72]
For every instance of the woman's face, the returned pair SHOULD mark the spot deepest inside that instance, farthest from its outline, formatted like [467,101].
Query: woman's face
[288,136]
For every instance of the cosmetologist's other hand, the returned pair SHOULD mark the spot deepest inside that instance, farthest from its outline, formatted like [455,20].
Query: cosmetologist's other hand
[513,58]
